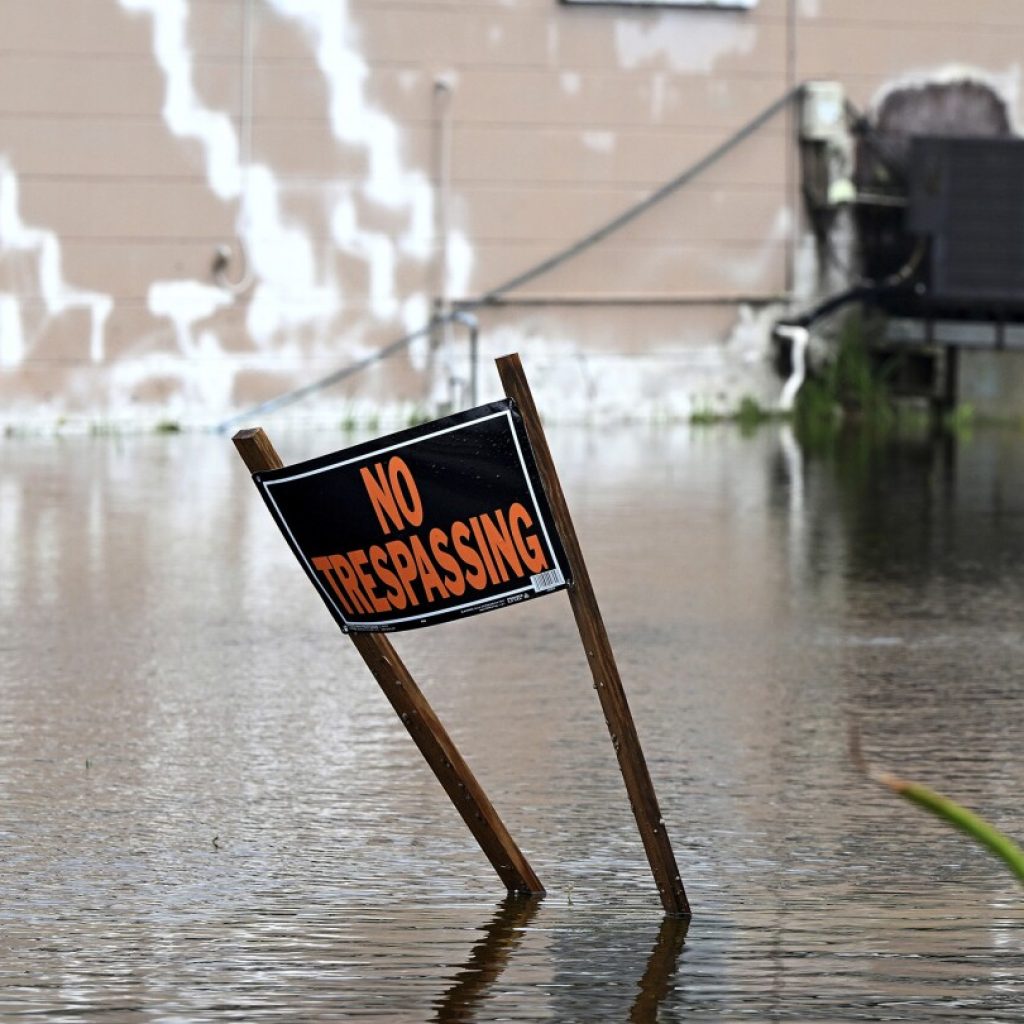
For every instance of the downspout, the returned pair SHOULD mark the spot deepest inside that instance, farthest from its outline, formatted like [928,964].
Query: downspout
[792,119]
[799,338]
[223,254]
[442,183]
[441,333]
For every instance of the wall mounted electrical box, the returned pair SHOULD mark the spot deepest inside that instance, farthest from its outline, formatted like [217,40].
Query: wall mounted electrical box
[823,112]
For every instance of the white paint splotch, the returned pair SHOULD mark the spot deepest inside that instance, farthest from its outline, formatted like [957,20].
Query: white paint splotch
[298,297]
[280,252]
[183,111]
[599,142]
[356,121]
[643,42]
[185,303]
[25,316]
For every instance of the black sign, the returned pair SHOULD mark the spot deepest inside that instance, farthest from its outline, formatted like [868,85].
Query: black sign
[439,521]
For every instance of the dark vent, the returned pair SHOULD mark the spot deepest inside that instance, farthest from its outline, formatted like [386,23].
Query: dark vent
[966,195]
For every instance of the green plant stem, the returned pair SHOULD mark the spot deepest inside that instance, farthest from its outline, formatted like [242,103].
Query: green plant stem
[949,810]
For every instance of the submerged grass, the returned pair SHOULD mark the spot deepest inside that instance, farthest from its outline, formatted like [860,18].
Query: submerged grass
[705,417]
[849,388]
[748,416]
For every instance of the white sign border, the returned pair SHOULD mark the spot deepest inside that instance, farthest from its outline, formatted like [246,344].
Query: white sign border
[421,617]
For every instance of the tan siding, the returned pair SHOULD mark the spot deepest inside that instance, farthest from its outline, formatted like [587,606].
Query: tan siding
[130,208]
[94,27]
[86,147]
[758,51]
[123,268]
[540,97]
[561,118]
[833,51]
[308,152]
[53,86]
[605,98]
[608,331]
[516,214]
[917,13]
[64,340]
[642,160]
[287,92]
[650,270]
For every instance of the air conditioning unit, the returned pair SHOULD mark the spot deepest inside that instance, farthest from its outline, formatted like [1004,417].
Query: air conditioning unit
[965,199]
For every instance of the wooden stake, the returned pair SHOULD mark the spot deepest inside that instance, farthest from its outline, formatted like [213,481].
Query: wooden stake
[423,725]
[599,653]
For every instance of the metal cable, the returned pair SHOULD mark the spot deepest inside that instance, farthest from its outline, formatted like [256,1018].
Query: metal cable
[332,378]
[645,204]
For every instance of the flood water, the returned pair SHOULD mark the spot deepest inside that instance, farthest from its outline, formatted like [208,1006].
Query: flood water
[209,812]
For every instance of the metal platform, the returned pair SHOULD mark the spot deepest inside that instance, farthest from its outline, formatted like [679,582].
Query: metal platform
[967,334]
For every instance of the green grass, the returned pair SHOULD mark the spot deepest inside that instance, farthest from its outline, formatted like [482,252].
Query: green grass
[949,811]
[704,417]
[983,832]
[849,388]
[748,416]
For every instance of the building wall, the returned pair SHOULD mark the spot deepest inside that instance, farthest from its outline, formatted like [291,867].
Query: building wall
[339,141]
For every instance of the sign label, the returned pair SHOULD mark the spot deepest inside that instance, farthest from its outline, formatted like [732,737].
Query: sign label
[433,523]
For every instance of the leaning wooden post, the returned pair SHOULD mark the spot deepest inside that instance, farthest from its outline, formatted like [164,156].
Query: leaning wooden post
[423,725]
[599,653]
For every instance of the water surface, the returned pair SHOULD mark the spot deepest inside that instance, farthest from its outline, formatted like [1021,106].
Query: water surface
[208,811]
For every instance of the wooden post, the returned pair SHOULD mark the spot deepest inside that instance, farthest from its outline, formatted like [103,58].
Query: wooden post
[423,725]
[599,653]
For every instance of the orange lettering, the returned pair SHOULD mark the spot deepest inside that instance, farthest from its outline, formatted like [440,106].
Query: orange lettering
[482,546]
[428,573]
[501,544]
[394,497]
[395,594]
[528,546]
[477,579]
[367,582]
[453,578]
[324,565]
[381,498]
[402,560]
[349,581]
[404,488]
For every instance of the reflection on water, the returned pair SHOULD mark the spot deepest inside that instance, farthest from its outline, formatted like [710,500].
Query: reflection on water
[501,938]
[657,978]
[601,961]
[209,813]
